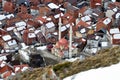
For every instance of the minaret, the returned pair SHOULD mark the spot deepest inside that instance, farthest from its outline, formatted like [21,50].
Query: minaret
[70,42]
[60,24]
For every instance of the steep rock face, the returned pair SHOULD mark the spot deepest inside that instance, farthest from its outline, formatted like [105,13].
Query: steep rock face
[104,58]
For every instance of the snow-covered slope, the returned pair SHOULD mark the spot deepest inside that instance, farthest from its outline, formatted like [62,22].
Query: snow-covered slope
[107,73]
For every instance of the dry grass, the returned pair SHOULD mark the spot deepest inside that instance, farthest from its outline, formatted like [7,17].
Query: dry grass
[104,58]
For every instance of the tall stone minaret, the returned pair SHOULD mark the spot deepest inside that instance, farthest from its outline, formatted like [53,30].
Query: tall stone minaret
[70,42]
[60,24]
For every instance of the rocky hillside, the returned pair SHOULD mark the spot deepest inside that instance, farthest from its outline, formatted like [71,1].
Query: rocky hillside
[104,58]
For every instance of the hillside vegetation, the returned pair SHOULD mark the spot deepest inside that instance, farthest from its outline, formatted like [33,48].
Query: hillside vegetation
[103,58]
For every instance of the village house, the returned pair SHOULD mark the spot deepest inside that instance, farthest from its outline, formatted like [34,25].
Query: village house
[20,68]
[44,10]
[29,37]
[95,3]
[34,10]
[40,37]
[72,10]
[48,27]
[105,23]
[6,71]
[9,9]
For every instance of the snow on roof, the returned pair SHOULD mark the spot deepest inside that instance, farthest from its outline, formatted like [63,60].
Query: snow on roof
[48,19]
[50,25]
[55,33]
[37,31]
[31,35]
[97,37]
[44,17]
[104,44]
[106,73]
[0,22]
[83,39]
[17,69]
[40,21]
[24,68]
[22,23]
[10,28]
[3,58]
[24,55]
[117,15]
[89,22]
[62,9]
[98,4]
[9,16]
[95,14]
[32,29]
[41,48]
[85,18]
[68,25]
[53,6]
[115,9]
[107,21]
[116,36]
[113,0]
[114,31]
[21,28]
[24,46]
[83,30]
[58,15]
[2,17]
[3,64]
[6,37]
[12,42]
[63,28]
[71,59]
[94,50]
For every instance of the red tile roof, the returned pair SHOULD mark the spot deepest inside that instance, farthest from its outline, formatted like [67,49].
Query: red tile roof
[33,23]
[83,9]
[5,68]
[34,2]
[12,20]
[1,42]
[7,74]
[93,3]
[82,23]
[8,7]
[22,9]
[34,7]
[100,24]
[41,19]
[24,16]
[116,41]
[20,67]
[26,38]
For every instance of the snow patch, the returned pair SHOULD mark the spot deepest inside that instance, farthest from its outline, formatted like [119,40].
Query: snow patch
[107,73]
